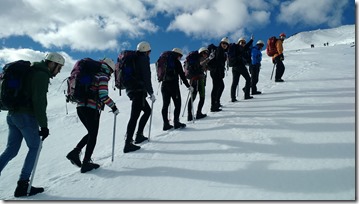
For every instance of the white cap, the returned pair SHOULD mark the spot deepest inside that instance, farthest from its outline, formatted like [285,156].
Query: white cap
[143,46]
[55,57]
[109,63]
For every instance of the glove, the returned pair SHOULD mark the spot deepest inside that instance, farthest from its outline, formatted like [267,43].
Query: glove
[281,57]
[211,56]
[115,110]
[44,132]
[152,98]
[191,89]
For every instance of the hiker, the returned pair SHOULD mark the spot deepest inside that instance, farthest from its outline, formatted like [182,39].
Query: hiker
[278,58]
[240,68]
[137,93]
[170,89]
[255,66]
[198,82]
[89,112]
[217,69]
[24,122]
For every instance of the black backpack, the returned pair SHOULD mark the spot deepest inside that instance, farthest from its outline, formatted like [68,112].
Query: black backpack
[11,85]
[81,78]
[212,64]
[125,71]
[233,54]
[165,66]
[192,65]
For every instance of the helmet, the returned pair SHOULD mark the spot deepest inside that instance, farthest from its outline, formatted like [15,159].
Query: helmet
[55,57]
[143,46]
[177,50]
[202,49]
[109,63]
[241,39]
[260,42]
[225,40]
[282,35]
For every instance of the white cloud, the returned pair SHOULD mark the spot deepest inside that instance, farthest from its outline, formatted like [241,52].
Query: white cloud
[12,54]
[219,18]
[312,13]
[80,25]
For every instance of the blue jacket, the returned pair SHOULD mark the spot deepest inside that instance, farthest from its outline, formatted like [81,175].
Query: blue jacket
[256,55]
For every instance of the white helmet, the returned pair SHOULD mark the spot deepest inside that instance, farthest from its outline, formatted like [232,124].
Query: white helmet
[177,50]
[260,42]
[241,39]
[143,46]
[55,57]
[225,40]
[109,63]
[202,49]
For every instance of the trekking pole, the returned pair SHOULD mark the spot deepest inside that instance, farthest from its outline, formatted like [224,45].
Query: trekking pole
[34,169]
[272,72]
[149,128]
[186,103]
[192,109]
[113,137]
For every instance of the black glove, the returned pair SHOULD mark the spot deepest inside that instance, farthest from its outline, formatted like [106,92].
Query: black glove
[44,132]
[281,57]
[115,110]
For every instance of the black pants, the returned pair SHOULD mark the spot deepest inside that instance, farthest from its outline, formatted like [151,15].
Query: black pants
[139,103]
[280,69]
[199,87]
[91,120]
[254,70]
[217,90]
[170,90]
[237,72]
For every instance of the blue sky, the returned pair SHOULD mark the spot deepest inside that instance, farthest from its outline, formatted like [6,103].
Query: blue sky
[85,28]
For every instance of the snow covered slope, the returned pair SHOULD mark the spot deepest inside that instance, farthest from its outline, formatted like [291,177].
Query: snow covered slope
[296,141]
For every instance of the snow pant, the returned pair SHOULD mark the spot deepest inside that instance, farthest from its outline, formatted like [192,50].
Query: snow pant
[279,70]
[217,89]
[199,87]
[21,126]
[91,119]
[254,70]
[170,90]
[237,72]
[139,103]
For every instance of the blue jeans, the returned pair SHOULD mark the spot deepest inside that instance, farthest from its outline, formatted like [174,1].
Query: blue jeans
[21,126]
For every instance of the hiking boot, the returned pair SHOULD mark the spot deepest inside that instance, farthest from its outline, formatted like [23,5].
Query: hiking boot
[179,125]
[21,189]
[256,92]
[215,109]
[129,147]
[189,117]
[279,80]
[74,157]
[234,100]
[200,115]
[140,138]
[88,166]
[167,126]
[248,97]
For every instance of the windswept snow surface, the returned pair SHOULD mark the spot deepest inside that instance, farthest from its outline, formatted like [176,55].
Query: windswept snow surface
[296,141]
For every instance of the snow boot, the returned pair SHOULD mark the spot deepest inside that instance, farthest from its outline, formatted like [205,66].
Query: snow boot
[21,189]
[140,138]
[74,157]
[88,166]
[190,117]
[177,125]
[256,92]
[200,115]
[129,147]
[167,126]
[234,100]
